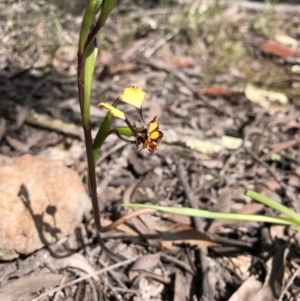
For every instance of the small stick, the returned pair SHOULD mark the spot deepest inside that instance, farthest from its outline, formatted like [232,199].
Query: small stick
[289,284]
[208,287]
[112,267]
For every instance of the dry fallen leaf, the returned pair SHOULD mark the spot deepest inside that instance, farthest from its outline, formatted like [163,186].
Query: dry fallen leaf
[271,289]
[216,92]
[232,143]
[182,234]
[123,67]
[270,100]
[253,290]
[22,288]
[271,184]
[206,147]
[76,261]
[286,40]
[144,263]
[126,229]
[246,290]
[277,49]
[182,286]
[182,62]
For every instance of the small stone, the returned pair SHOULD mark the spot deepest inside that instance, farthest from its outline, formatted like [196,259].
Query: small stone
[41,201]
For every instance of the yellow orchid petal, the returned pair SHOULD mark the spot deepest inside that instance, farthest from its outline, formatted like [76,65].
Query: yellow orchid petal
[133,95]
[152,126]
[156,135]
[114,111]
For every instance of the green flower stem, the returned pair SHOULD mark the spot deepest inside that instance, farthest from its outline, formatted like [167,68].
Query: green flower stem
[131,127]
[123,138]
[103,132]
[216,215]
[125,131]
[275,205]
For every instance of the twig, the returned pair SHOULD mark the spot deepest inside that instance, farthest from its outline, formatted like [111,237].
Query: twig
[112,274]
[161,42]
[56,297]
[185,80]
[125,218]
[180,263]
[93,288]
[276,148]
[114,292]
[289,284]
[46,122]
[208,287]
[111,151]
[265,165]
[280,8]
[187,189]
[127,291]
[112,267]
[294,201]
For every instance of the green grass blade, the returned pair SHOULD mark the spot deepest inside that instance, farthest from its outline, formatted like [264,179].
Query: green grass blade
[216,215]
[273,204]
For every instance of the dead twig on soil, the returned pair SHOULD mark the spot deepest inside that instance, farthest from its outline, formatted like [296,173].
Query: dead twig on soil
[280,147]
[179,263]
[208,286]
[161,42]
[184,79]
[125,218]
[279,8]
[112,267]
[297,272]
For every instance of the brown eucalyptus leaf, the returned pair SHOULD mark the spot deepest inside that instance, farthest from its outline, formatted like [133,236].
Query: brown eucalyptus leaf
[271,289]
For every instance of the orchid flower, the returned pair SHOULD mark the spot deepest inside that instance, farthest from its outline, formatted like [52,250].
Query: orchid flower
[148,136]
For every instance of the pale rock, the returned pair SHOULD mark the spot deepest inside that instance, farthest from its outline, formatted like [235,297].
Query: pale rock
[41,201]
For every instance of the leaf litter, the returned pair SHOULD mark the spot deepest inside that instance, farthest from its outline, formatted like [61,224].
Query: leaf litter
[227,100]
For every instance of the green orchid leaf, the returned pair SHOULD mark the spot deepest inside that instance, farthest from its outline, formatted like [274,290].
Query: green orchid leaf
[216,215]
[273,204]
[89,67]
[86,23]
[102,134]
[107,6]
